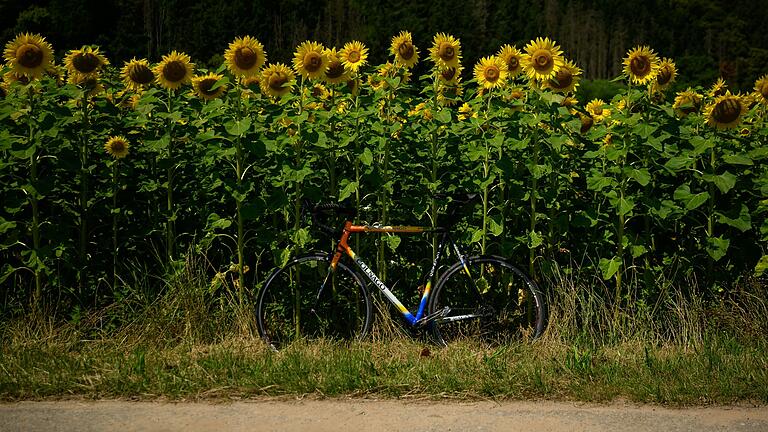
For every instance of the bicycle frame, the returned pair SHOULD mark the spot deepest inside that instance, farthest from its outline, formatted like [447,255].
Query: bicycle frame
[343,247]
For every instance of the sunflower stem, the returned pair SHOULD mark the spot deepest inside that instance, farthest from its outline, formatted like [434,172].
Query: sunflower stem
[115,213]
[83,271]
[38,293]
[433,177]
[534,185]
[238,202]
[170,236]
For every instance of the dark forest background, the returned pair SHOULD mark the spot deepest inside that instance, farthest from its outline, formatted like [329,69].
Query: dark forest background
[706,38]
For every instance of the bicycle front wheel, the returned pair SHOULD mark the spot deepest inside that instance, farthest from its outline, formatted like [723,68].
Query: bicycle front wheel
[306,300]
[488,299]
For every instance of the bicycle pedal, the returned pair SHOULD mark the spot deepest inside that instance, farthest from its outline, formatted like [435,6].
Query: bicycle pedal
[433,316]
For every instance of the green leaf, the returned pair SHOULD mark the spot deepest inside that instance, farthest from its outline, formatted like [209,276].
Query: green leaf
[644,130]
[638,250]
[641,176]
[725,182]
[392,241]
[609,267]
[534,240]
[717,247]
[219,83]
[599,182]
[238,128]
[443,116]
[6,225]
[625,205]
[737,159]
[678,162]
[347,191]
[476,236]
[760,268]
[495,227]
[742,222]
[366,157]
[691,201]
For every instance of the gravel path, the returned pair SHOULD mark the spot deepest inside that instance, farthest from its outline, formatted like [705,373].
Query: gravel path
[375,415]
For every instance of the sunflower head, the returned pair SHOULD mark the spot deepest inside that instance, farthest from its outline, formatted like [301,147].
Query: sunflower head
[450,76]
[543,59]
[597,110]
[28,55]
[405,52]
[719,88]
[449,95]
[641,65]
[354,55]
[337,71]
[310,60]
[353,86]
[445,51]
[513,58]
[137,75]
[117,147]
[174,70]
[203,86]
[586,122]
[245,56]
[86,62]
[566,79]
[491,72]
[761,90]
[277,80]
[726,111]
[666,75]
[687,102]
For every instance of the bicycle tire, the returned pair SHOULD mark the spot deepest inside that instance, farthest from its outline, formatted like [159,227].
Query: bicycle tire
[498,304]
[343,310]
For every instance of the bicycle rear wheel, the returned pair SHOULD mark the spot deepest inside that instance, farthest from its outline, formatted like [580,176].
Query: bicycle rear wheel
[489,299]
[288,307]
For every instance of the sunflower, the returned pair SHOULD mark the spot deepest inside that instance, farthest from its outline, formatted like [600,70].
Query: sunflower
[719,88]
[310,60]
[13,77]
[277,80]
[137,75]
[596,109]
[405,52]
[174,71]
[353,86]
[542,59]
[761,90]
[513,58]
[86,62]
[203,86]
[687,102]
[29,55]
[641,65]
[245,56]
[117,147]
[450,76]
[337,71]
[319,91]
[91,85]
[666,75]
[466,111]
[566,79]
[726,111]
[445,51]
[354,55]
[586,122]
[491,72]
[3,90]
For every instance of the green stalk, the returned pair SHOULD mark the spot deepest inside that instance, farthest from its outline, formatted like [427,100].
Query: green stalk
[357,160]
[115,176]
[238,205]
[332,150]
[620,246]
[534,185]
[297,216]
[170,235]
[384,197]
[83,271]
[711,214]
[433,177]
[38,294]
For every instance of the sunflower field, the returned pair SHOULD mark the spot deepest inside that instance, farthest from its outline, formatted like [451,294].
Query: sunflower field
[113,176]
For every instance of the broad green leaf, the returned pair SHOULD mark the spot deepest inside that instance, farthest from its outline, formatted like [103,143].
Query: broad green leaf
[743,222]
[366,157]
[238,128]
[717,247]
[609,267]
[477,236]
[443,116]
[737,159]
[760,268]
[625,205]
[392,241]
[534,240]
[638,250]
[641,176]
[347,191]
[495,227]
[691,201]
[678,162]
[599,182]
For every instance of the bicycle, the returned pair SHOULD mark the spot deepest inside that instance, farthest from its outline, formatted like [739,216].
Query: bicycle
[323,295]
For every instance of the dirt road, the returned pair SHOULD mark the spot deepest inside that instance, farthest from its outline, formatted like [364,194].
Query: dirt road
[375,415]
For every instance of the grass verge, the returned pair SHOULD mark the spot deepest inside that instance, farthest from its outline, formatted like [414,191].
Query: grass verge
[722,370]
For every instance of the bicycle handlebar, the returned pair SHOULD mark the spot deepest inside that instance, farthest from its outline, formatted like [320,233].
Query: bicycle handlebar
[321,211]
